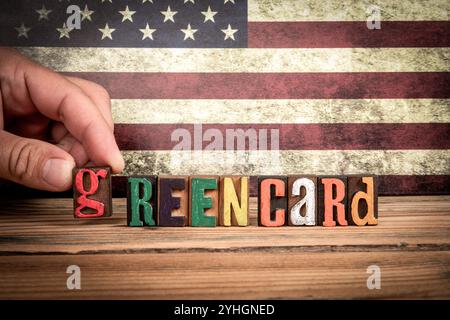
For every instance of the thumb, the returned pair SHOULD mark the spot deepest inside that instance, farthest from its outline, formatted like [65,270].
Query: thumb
[35,163]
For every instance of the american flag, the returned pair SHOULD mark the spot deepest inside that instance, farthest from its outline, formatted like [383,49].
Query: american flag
[346,98]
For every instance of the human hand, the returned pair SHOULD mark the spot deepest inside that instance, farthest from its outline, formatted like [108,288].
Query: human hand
[49,123]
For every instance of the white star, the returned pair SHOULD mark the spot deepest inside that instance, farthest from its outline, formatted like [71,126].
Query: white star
[148,33]
[86,14]
[64,31]
[106,32]
[209,15]
[232,1]
[43,13]
[189,32]
[229,33]
[23,31]
[186,1]
[168,15]
[127,14]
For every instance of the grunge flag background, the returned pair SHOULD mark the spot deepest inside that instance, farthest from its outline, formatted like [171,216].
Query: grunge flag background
[346,99]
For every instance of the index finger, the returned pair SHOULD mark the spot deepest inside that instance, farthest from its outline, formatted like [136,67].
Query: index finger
[61,100]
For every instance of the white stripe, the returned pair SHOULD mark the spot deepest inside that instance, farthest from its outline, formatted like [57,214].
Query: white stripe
[241,60]
[347,10]
[282,111]
[382,162]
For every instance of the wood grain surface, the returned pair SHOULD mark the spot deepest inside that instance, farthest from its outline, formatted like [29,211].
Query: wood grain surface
[40,238]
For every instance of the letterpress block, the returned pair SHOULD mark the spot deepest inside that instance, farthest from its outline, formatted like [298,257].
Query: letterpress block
[173,201]
[302,200]
[362,201]
[234,199]
[204,201]
[141,201]
[332,201]
[92,192]
[272,201]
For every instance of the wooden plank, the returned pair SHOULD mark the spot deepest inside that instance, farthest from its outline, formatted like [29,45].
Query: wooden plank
[47,226]
[40,238]
[271,274]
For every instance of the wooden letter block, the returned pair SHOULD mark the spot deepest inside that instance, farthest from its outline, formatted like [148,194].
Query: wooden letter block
[204,201]
[363,201]
[92,192]
[272,201]
[141,201]
[234,198]
[302,192]
[173,201]
[332,201]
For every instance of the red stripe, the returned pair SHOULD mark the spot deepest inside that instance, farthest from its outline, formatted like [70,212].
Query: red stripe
[348,34]
[297,136]
[384,85]
[388,185]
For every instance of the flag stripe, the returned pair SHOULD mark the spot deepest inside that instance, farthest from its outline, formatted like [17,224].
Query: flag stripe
[289,162]
[291,136]
[242,60]
[348,34]
[355,85]
[281,111]
[404,185]
[348,10]
[387,185]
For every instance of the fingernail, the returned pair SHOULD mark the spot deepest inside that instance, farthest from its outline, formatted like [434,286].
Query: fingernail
[58,172]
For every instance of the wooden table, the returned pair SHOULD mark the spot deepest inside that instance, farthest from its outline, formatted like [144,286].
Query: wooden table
[39,239]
